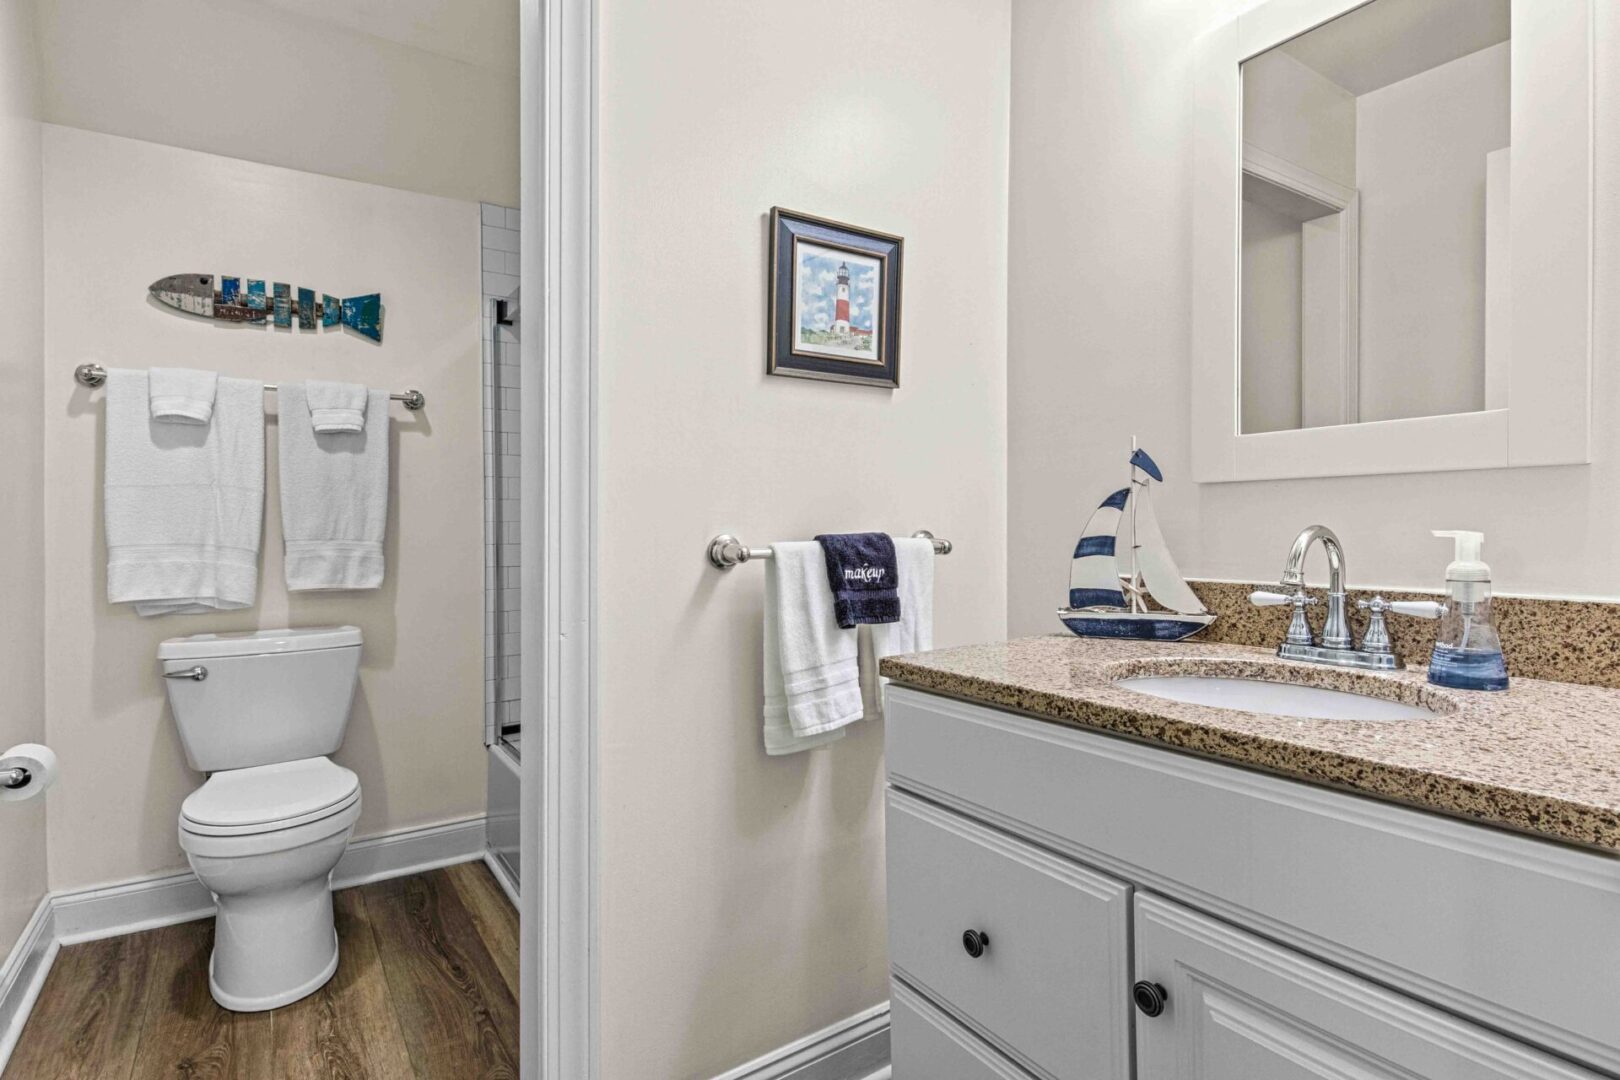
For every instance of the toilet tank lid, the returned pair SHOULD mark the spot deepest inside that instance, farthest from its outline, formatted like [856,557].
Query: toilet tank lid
[258,642]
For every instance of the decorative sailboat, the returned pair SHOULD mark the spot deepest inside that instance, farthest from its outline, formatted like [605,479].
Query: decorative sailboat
[1105,602]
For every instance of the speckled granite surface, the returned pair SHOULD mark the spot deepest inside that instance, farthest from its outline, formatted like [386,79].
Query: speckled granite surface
[1574,641]
[1542,757]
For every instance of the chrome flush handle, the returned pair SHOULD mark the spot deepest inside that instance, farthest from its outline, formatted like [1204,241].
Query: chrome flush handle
[195,674]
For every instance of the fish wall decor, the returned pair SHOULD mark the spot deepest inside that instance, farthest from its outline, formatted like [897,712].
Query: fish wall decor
[196,294]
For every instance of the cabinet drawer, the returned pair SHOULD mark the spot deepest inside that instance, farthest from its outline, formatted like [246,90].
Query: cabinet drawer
[1051,986]
[925,1044]
[1240,1008]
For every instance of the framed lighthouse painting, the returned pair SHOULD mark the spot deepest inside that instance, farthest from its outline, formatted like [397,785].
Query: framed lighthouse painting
[834,301]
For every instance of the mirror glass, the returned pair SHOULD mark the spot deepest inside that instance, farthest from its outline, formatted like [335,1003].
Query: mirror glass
[1375,217]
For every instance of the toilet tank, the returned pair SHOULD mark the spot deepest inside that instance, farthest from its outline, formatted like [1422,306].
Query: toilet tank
[266,696]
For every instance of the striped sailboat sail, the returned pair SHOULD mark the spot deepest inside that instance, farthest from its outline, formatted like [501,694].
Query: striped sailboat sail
[1094,579]
[1159,571]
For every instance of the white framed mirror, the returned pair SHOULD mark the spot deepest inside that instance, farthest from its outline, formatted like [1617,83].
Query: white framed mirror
[1370,176]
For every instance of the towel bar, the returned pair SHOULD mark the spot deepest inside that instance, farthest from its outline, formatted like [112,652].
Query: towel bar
[94,375]
[726,551]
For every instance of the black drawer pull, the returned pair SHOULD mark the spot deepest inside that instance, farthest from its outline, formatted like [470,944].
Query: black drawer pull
[1149,997]
[976,942]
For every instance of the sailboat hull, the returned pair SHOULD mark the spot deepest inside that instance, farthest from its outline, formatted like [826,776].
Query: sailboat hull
[1138,625]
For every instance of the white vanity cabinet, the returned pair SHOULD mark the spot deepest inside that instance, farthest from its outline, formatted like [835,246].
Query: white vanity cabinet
[1295,931]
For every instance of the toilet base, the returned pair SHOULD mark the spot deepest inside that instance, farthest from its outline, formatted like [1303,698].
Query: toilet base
[273,1001]
[275,940]
[273,947]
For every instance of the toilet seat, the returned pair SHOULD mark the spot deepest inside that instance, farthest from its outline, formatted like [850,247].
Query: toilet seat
[269,798]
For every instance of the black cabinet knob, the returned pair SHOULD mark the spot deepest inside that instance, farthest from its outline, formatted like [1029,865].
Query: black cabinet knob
[1149,997]
[976,942]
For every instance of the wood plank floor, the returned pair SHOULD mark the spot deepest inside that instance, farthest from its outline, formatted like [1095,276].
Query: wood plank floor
[426,987]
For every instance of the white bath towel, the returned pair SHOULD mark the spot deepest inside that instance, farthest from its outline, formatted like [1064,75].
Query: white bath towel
[182,395]
[334,496]
[812,676]
[336,406]
[183,503]
[914,566]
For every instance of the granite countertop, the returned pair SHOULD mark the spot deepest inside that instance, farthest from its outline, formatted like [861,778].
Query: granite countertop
[1541,757]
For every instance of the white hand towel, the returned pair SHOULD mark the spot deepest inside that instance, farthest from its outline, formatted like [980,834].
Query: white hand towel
[336,406]
[183,395]
[183,503]
[914,633]
[812,676]
[334,496]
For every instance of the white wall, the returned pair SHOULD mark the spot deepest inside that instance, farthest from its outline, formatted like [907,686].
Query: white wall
[1300,115]
[743,895]
[277,83]
[22,713]
[1420,153]
[1100,272]
[121,213]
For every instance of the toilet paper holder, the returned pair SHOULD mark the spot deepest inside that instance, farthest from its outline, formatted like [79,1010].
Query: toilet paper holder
[26,771]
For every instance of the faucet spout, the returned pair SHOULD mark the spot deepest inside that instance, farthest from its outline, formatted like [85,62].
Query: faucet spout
[1336,629]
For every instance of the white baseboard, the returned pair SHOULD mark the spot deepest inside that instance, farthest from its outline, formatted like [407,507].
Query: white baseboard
[856,1048]
[24,973]
[129,906]
[147,903]
[410,851]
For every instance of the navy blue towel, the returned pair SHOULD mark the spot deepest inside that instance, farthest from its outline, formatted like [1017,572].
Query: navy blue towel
[862,574]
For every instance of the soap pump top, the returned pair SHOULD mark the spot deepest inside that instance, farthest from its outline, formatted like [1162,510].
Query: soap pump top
[1466,566]
[1468,652]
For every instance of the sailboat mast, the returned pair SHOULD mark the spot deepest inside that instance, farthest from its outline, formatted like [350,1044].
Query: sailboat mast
[1136,576]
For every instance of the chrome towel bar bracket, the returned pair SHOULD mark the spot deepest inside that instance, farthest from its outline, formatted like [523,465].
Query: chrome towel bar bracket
[726,551]
[94,375]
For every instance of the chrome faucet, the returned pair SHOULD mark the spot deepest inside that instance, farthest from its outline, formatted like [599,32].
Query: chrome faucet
[1336,631]
[1336,646]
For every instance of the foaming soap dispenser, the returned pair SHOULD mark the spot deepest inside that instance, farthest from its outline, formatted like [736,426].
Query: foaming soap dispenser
[1468,652]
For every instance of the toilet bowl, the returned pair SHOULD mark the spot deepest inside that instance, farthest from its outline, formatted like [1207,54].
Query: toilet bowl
[264,841]
[259,712]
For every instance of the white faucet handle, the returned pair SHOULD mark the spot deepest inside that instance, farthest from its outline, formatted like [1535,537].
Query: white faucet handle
[1262,598]
[1418,609]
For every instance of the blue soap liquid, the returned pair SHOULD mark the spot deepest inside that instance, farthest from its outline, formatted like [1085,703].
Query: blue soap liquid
[1467,669]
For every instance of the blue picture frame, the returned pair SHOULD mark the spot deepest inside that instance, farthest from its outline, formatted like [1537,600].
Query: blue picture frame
[834,301]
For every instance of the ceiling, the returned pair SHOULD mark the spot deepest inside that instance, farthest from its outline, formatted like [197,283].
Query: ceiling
[1389,40]
[479,32]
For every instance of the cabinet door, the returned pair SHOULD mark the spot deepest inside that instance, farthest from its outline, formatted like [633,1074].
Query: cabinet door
[928,1045]
[1241,1008]
[1028,950]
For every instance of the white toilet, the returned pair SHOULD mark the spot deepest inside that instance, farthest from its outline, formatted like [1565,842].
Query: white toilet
[258,712]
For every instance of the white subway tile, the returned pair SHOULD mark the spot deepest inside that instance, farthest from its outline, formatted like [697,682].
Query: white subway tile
[498,239]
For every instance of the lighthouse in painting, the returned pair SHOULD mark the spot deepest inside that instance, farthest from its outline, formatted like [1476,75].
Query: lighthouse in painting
[841,308]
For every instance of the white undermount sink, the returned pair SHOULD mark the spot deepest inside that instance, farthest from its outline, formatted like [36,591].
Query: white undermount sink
[1275,698]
